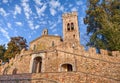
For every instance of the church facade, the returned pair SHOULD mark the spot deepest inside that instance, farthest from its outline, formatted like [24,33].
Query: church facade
[53,59]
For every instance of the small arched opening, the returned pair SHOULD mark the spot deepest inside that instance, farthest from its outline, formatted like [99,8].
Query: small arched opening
[72,26]
[37,65]
[68,27]
[66,67]
[53,43]
[14,71]
[5,71]
[34,47]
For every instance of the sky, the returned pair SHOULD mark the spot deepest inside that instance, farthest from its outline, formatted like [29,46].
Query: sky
[27,18]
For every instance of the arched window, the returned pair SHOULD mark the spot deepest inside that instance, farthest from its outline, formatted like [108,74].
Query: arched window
[34,47]
[44,32]
[66,67]
[68,27]
[74,36]
[5,71]
[52,43]
[72,26]
[14,71]
[37,65]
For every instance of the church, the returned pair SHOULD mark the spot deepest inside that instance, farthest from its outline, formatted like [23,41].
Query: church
[56,59]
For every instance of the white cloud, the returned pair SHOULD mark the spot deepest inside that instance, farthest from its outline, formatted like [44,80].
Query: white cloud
[70,5]
[53,26]
[43,22]
[37,26]
[53,6]
[52,11]
[9,25]
[54,30]
[3,12]
[30,23]
[38,2]
[32,26]
[19,23]
[17,10]
[40,11]
[56,23]
[74,9]
[26,8]
[81,20]
[61,8]
[5,33]
[79,2]
[54,3]
[56,34]
[5,1]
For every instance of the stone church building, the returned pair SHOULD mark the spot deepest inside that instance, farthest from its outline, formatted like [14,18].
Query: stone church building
[53,59]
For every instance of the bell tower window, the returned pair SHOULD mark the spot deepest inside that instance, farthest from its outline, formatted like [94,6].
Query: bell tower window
[68,27]
[72,26]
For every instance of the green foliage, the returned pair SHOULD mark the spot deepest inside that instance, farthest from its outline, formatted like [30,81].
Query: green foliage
[103,24]
[15,45]
[2,52]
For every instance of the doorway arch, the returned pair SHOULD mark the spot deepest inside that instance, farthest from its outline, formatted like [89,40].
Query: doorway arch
[37,65]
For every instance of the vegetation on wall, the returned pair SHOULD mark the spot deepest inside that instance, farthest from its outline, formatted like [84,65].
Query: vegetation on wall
[103,24]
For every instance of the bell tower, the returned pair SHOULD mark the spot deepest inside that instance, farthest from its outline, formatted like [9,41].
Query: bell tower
[70,27]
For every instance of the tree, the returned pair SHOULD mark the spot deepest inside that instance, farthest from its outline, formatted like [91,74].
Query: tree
[103,24]
[2,52]
[15,45]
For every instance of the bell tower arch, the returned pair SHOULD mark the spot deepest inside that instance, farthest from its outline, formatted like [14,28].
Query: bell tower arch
[70,27]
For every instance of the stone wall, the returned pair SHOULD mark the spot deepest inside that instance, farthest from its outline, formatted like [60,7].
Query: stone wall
[81,61]
[64,77]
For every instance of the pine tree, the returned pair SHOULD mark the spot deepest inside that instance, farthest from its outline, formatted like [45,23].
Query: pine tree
[2,52]
[15,45]
[103,24]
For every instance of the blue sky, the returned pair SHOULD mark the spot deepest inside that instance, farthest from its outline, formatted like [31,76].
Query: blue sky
[27,18]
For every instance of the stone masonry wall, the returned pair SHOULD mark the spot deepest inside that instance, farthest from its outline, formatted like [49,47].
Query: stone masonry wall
[62,77]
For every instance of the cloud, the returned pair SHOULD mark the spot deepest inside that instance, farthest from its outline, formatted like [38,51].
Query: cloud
[19,23]
[5,1]
[5,33]
[81,20]
[26,8]
[53,5]
[32,26]
[3,12]
[38,2]
[30,23]
[74,9]
[56,23]
[61,8]
[52,11]
[37,26]
[79,2]
[17,10]
[54,30]
[56,34]
[70,5]
[40,11]
[9,25]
